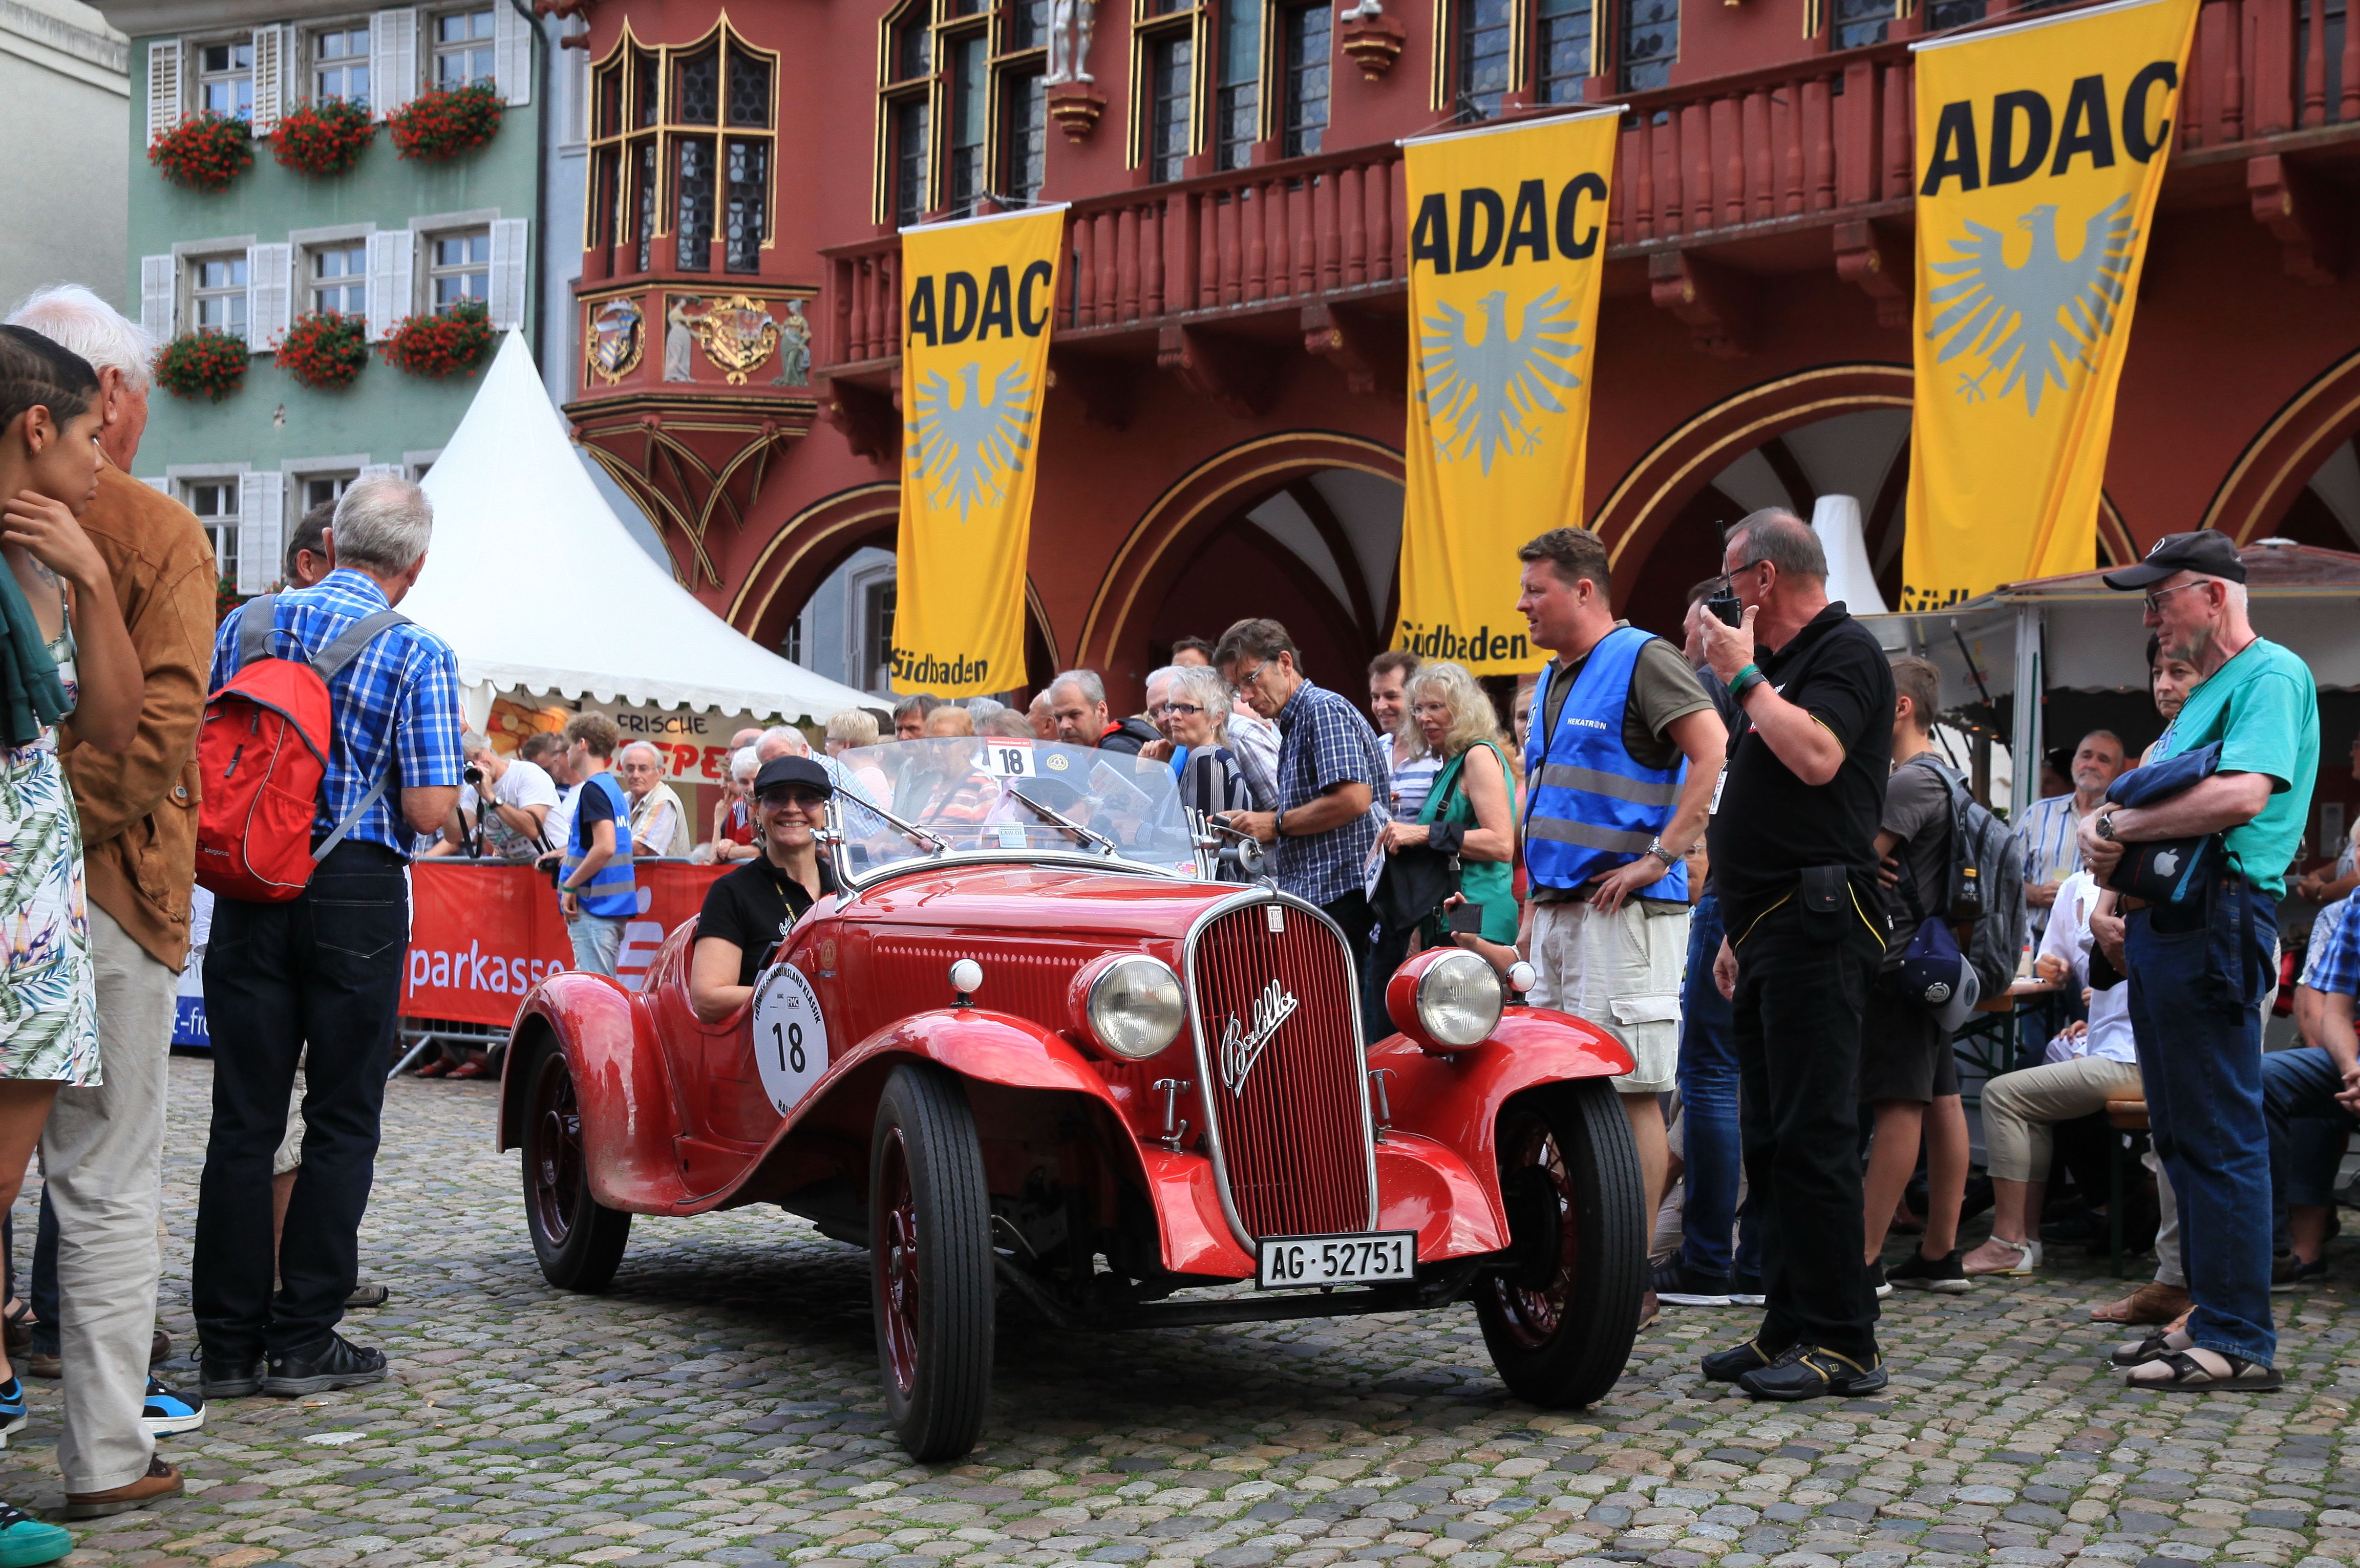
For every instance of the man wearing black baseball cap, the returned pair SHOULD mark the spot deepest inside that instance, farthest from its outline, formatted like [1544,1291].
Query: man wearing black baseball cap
[2199,963]
[749,911]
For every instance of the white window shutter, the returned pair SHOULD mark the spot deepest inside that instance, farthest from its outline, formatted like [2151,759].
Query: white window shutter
[269,285]
[508,246]
[261,501]
[391,254]
[163,87]
[158,278]
[269,79]
[393,59]
[511,54]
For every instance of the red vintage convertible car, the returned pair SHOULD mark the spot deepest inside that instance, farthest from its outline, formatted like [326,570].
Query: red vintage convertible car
[1052,1046]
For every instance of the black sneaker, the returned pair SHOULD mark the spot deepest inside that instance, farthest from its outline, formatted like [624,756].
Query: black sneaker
[1745,1290]
[231,1379]
[1876,1278]
[1807,1372]
[1678,1285]
[1728,1365]
[1945,1276]
[336,1363]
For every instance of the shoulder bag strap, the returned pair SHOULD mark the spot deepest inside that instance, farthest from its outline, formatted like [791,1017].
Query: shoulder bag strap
[254,628]
[331,661]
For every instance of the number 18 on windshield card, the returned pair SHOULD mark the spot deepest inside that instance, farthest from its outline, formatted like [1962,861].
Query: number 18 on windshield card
[977,300]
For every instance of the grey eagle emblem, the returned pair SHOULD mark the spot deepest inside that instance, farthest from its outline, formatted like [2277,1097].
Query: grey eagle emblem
[2040,319]
[966,453]
[1484,392]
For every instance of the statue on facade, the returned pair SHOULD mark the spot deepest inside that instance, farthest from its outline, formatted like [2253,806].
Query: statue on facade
[795,347]
[680,338]
[1070,24]
[1364,9]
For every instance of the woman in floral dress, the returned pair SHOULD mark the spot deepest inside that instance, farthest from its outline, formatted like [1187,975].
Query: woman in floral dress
[64,658]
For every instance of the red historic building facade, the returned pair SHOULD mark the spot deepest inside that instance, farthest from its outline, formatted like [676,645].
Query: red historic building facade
[1223,434]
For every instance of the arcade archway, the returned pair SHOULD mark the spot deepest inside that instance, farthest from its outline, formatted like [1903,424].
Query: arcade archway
[2299,478]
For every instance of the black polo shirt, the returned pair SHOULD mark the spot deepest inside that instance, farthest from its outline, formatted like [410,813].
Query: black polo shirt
[1770,825]
[755,906]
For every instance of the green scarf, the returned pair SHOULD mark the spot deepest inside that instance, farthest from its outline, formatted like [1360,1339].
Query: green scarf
[32,698]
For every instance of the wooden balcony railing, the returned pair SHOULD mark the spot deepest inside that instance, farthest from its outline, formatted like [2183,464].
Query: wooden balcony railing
[1811,143]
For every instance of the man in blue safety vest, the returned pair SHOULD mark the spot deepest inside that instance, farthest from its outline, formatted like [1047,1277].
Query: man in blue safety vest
[1619,769]
[596,888]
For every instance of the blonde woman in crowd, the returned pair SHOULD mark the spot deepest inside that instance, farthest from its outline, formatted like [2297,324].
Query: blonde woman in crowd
[1470,811]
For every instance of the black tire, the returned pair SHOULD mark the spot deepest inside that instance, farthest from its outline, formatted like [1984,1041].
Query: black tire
[931,1265]
[578,1240]
[1560,1325]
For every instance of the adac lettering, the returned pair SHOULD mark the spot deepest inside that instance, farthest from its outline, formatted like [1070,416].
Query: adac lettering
[2018,134]
[1524,225]
[956,307]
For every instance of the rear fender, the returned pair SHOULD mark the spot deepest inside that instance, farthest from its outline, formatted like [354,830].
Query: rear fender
[624,1095]
[1455,1100]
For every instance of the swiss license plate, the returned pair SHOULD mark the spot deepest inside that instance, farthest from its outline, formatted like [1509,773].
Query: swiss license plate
[1294,1262]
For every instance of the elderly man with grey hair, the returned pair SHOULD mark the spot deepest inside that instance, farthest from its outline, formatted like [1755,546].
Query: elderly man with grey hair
[1078,705]
[658,821]
[327,961]
[102,1147]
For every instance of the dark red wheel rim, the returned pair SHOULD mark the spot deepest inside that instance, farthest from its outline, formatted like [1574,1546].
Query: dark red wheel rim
[1534,1316]
[896,1254]
[556,1126]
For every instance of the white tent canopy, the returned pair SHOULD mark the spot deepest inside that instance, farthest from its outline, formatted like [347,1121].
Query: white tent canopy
[536,584]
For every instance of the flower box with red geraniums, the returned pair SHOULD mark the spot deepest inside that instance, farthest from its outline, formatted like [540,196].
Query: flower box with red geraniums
[202,364]
[324,139]
[436,346]
[438,124]
[324,351]
[203,152]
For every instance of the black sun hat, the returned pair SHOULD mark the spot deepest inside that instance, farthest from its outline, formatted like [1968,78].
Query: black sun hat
[2207,551]
[782,771]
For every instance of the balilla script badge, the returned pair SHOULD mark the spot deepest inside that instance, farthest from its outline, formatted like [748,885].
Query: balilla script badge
[1242,1046]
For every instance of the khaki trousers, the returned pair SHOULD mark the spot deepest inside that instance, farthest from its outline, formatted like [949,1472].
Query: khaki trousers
[102,1156]
[2020,1107]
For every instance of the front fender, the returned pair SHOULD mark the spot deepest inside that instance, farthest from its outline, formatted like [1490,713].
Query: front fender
[620,1089]
[1454,1100]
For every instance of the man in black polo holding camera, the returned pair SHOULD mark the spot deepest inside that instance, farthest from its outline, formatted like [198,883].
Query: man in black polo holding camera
[1793,839]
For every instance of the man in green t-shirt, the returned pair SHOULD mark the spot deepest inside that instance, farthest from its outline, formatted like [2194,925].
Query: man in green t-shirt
[2199,966]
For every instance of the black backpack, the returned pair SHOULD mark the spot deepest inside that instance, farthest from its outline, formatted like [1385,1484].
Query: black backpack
[1985,887]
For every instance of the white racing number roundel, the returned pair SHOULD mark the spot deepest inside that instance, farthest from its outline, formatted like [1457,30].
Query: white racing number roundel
[789,1036]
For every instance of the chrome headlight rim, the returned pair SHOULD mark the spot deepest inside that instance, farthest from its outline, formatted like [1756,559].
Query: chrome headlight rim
[1105,1028]
[1445,1020]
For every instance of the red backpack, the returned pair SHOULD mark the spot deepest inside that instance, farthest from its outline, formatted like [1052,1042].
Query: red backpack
[263,754]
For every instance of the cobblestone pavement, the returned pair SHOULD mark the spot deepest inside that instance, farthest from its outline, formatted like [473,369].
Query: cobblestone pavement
[720,1406]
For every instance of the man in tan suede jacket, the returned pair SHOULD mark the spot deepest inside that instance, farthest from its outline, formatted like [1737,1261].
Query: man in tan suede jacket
[102,1148]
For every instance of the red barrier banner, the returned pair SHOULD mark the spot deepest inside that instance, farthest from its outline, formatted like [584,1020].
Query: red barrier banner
[481,936]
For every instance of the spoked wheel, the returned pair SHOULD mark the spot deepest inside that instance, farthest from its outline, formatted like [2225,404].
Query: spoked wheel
[578,1240]
[930,1241]
[1559,1322]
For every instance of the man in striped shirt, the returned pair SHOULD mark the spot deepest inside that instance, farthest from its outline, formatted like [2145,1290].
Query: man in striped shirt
[2049,828]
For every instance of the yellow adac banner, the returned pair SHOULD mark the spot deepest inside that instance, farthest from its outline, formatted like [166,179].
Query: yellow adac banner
[1507,247]
[977,298]
[2040,150]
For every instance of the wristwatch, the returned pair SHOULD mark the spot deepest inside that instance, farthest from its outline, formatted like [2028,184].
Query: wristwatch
[1666,855]
[1278,825]
[2106,826]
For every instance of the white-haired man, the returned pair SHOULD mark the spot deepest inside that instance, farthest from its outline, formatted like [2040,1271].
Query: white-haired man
[2200,958]
[102,1147]
[330,955]
[659,821]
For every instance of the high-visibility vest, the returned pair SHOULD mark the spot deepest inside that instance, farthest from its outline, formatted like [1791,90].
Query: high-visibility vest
[1591,807]
[614,891]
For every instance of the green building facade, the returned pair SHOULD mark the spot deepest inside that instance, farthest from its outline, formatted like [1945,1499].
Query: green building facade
[389,239]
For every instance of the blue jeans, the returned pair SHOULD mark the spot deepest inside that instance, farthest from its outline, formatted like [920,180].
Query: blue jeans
[2307,1131]
[1708,1080]
[2197,975]
[597,941]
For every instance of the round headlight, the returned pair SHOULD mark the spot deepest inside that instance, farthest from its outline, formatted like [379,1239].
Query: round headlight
[1131,1005]
[1458,998]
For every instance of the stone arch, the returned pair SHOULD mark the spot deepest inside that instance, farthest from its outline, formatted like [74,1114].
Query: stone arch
[1184,516]
[2278,464]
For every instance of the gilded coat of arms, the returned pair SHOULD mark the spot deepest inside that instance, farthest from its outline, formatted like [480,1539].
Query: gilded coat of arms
[739,335]
[617,332]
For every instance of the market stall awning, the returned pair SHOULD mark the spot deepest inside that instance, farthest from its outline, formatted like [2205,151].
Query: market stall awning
[537,585]
[2089,638]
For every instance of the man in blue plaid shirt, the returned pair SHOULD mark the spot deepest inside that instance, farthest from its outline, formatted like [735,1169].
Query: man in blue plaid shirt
[1331,771]
[2314,1090]
[325,966]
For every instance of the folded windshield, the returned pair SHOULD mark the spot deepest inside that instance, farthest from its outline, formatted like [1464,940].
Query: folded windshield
[961,794]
